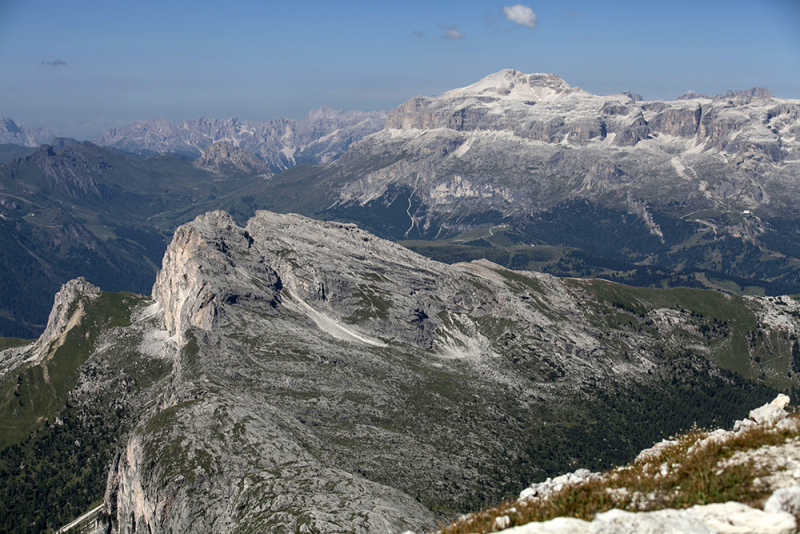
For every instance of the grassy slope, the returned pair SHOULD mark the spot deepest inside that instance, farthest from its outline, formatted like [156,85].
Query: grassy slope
[736,340]
[58,441]
[696,477]
[689,264]
[33,394]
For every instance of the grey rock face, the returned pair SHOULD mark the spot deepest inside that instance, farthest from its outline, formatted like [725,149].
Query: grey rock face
[18,134]
[320,137]
[67,172]
[693,96]
[221,158]
[636,97]
[67,308]
[747,95]
[678,122]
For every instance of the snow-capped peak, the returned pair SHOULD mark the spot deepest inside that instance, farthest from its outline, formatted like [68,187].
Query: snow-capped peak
[516,85]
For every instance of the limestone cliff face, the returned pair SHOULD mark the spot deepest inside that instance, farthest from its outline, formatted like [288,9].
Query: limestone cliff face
[68,309]
[254,476]
[543,107]
[198,274]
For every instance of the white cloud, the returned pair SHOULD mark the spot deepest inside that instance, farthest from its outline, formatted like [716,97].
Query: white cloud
[522,15]
[453,33]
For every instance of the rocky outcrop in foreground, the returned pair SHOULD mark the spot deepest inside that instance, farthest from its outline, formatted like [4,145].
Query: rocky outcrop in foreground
[761,453]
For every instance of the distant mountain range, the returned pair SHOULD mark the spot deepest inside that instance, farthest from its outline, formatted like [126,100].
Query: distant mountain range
[699,192]
[514,143]
[700,187]
[17,134]
[321,137]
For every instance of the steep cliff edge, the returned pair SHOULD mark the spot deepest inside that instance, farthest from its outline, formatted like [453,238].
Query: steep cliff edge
[68,309]
[67,399]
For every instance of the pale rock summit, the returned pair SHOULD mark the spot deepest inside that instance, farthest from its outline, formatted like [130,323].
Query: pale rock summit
[68,310]
[515,85]
[769,414]
[18,134]
[195,279]
[221,158]
[526,142]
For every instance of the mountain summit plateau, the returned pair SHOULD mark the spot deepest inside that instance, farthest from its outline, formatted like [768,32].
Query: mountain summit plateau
[517,142]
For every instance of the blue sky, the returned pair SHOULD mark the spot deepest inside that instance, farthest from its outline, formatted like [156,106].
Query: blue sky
[82,66]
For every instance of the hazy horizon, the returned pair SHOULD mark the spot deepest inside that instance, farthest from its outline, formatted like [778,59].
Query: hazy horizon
[83,67]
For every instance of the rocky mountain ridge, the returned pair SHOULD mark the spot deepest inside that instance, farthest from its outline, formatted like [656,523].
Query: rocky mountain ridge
[754,92]
[222,158]
[18,134]
[320,137]
[300,374]
[558,142]
[701,188]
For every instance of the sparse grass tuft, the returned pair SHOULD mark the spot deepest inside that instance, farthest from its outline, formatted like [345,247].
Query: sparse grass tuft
[693,475]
